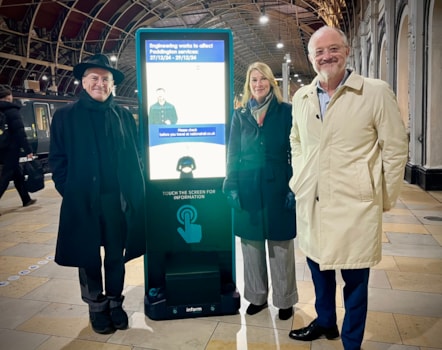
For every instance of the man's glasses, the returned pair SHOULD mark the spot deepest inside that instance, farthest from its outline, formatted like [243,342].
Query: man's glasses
[333,49]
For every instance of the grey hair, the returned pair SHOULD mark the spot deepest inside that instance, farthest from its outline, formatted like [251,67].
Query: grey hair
[325,28]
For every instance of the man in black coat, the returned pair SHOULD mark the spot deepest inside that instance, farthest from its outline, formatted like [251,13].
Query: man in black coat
[96,167]
[10,155]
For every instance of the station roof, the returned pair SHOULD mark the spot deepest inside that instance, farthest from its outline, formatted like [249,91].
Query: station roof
[46,38]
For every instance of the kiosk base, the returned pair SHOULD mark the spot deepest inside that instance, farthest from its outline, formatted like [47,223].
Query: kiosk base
[158,309]
[192,289]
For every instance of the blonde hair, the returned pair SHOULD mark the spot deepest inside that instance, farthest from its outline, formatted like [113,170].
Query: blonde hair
[266,71]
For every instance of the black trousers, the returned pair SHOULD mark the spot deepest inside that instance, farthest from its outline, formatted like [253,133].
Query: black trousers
[112,239]
[12,171]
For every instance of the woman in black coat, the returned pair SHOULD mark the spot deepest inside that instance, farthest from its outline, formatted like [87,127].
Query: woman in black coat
[256,185]
[17,141]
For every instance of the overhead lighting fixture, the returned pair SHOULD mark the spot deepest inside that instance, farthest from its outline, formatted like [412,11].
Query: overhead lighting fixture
[287,58]
[280,44]
[113,58]
[264,18]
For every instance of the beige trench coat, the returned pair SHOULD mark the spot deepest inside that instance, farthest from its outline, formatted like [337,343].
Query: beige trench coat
[347,170]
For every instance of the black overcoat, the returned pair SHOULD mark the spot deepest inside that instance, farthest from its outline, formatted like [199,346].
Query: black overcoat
[259,168]
[74,162]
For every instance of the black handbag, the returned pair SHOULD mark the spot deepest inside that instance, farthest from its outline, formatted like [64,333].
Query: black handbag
[35,180]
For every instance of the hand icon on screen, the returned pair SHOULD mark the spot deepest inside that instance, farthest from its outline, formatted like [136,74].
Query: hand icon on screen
[191,233]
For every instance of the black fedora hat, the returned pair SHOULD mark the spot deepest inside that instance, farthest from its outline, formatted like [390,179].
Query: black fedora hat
[97,61]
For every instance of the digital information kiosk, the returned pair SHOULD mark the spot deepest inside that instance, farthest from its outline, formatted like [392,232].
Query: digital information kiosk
[185,88]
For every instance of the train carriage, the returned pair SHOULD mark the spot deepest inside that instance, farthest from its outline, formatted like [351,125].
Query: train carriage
[37,111]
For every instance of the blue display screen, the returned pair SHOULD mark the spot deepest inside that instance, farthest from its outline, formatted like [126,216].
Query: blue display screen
[184,51]
[185,94]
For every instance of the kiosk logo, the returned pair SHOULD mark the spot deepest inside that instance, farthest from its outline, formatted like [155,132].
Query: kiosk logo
[194,309]
[187,215]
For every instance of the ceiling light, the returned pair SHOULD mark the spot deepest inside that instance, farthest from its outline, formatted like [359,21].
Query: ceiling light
[287,58]
[264,18]
[280,44]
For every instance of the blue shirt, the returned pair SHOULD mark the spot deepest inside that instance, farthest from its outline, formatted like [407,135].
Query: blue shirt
[324,97]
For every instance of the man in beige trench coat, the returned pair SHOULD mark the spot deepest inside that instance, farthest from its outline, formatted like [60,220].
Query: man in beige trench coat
[349,150]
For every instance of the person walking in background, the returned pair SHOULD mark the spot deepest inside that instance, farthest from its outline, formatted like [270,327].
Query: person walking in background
[162,112]
[97,170]
[349,150]
[16,142]
[256,186]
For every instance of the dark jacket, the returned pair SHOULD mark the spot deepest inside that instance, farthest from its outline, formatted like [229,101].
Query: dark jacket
[18,141]
[259,169]
[162,114]
[74,160]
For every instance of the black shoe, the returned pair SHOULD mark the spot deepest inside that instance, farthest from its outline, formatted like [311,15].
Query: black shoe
[29,202]
[285,314]
[314,331]
[254,309]
[119,318]
[101,322]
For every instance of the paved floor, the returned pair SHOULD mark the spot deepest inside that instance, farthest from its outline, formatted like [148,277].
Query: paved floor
[41,308]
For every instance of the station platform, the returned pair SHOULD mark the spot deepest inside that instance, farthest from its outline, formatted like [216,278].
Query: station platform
[41,307]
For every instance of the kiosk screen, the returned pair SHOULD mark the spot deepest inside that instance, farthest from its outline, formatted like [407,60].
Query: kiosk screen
[185,94]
